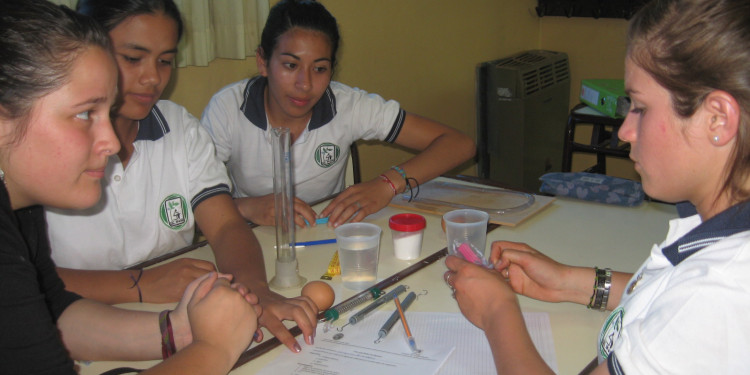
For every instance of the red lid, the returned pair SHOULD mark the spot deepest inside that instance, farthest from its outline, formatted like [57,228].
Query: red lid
[407,222]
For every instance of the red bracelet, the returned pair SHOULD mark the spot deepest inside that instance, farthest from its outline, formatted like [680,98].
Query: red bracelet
[167,336]
[390,183]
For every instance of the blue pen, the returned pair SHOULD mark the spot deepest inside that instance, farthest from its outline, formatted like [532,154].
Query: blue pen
[317,242]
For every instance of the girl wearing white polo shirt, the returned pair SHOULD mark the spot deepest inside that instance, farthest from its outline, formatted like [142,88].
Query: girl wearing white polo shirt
[296,59]
[58,84]
[685,310]
[164,181]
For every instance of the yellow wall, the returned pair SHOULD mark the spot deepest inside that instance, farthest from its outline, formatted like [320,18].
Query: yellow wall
[596,49]
[423,53]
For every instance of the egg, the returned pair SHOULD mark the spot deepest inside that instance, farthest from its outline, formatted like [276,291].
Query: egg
[320,293]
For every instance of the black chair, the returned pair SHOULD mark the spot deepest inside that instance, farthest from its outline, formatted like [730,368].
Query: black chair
[356,174]
[603,143]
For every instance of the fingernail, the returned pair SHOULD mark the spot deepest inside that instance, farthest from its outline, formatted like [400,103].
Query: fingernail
[255,336]
[312,340]
[297,348]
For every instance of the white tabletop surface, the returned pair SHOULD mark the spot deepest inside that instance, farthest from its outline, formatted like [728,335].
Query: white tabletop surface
[570,231]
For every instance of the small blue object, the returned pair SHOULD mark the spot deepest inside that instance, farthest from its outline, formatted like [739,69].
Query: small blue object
[322,220]
[317,242]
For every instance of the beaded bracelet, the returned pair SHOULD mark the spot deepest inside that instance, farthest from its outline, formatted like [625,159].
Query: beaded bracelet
[167,336]
[390,183]
[400,171]
[135,284]
[602,285]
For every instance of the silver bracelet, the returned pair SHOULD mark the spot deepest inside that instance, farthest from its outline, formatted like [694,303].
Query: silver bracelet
[602,285]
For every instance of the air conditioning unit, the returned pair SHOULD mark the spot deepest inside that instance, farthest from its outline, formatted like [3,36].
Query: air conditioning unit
[522,108]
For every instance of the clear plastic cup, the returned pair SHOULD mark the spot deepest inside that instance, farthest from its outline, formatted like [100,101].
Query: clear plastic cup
[466,232]
[407,231]
[359,246]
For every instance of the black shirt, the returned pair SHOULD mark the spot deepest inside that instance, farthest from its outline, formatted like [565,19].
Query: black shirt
[32,295]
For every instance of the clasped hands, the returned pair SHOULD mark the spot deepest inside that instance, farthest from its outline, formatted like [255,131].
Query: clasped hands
[267,310]
[213,311]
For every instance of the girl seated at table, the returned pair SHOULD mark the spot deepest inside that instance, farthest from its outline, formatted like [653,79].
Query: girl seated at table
[296,60]
[164,181]
[685,310]
[58,84]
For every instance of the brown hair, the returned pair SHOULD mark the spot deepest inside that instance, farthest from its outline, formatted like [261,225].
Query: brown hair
[691,48]
[39,44]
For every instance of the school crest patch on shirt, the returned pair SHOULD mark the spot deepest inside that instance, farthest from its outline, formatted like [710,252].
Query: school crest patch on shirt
[610,332]
[174,211]
[326,154]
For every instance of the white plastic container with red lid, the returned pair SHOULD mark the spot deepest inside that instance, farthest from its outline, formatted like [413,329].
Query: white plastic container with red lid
[407,230]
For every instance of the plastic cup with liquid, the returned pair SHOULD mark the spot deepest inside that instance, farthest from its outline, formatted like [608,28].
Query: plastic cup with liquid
[466,234]
[359,246]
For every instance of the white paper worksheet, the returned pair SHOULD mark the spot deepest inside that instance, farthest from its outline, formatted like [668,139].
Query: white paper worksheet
[450,345]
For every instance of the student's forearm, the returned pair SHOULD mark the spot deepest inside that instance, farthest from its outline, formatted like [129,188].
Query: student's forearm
[512,348]
[447,150]
[109,287]
[619,283]
[197,358]
[238,252]
[95,331]
[581,286]
[246,206]
[444,153]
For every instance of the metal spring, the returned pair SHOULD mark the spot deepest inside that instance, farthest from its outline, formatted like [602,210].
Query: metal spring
[354,319]
[336,311]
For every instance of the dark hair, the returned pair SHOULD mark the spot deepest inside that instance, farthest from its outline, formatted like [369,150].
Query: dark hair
[111,13]
[691,48]
[39,44]
[307,14]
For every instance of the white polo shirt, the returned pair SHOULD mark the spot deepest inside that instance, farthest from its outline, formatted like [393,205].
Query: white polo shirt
[686,309]
[146,209]
[236,119]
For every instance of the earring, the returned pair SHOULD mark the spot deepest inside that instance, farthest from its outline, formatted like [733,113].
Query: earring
[716,139]
[2,175]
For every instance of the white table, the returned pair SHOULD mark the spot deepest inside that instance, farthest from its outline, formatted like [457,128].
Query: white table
[570,231]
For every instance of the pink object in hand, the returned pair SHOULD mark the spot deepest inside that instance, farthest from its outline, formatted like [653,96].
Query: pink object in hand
[468,254]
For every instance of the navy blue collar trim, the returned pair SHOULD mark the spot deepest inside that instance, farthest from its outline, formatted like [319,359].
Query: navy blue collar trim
[685,209]
[252,105]
[153,127]
[733,220]
[613,365]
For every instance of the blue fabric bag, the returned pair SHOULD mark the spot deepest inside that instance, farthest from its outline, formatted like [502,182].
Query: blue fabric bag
[593,187]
